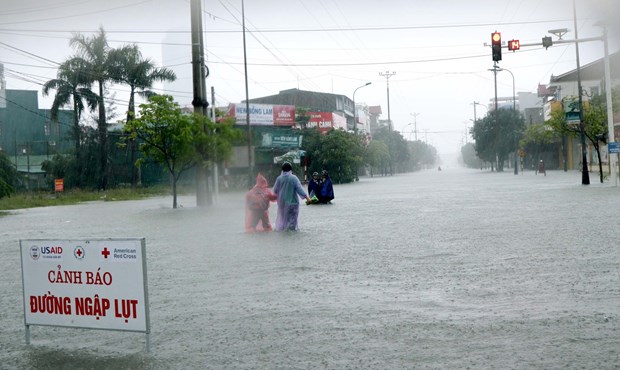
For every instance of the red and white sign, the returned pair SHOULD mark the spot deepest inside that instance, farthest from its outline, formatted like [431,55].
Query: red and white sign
[59,185]
[263,114]
[325,121]
[96,284]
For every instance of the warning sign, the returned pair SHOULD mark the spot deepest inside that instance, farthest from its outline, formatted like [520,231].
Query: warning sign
[98,284]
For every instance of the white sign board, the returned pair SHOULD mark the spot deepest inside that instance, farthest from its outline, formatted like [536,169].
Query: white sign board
[96,284]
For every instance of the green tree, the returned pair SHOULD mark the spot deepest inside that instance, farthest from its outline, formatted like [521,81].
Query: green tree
[497,134]
[468,154]
[94,51]
[166,135]
[177,140]
[377,155]
[341,155]
[539,138]
[72,84]
[57,168]
[338,152]
[594,125]
[397,147]
[8,176]
[422,154]
[127,66]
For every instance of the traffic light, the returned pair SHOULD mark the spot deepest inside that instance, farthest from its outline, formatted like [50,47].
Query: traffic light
[514,45]
[547,41]
[496,46]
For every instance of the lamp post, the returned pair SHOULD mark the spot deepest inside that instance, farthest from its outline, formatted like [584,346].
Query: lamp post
[482,105]
[514,109]
[355,121]
[387,76]
[354,108]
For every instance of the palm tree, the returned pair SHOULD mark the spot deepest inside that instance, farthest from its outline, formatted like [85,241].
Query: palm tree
[128,67]
[72,85]
[94,52]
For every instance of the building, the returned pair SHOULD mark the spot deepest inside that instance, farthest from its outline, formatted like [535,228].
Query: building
[564,86]
[27,134]
[313,102]
[592,78]
[528,103]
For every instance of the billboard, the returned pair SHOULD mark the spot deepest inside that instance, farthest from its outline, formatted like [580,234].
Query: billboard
[324,121]
[263,114]
[93,284]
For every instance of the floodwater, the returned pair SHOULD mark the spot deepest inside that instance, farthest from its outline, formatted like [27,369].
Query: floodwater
[452,269]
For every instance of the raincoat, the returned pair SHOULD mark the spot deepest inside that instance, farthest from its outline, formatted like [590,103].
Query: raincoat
[314,188]
[288,189]
[258,219]
[326,193]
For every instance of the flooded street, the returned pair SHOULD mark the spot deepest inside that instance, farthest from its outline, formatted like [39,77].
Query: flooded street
[451,269]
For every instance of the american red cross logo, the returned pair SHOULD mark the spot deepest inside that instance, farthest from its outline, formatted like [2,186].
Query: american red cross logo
[79,252]
[105,252]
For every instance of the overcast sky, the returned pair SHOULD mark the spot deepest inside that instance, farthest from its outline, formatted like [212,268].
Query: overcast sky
[435,47]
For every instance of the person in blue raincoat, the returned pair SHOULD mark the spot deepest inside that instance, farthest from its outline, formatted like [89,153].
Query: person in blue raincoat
[326,193]
[288,190]
[314,187]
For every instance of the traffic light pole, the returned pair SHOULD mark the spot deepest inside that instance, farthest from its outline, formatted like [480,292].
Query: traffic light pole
[585,176]
[495,113]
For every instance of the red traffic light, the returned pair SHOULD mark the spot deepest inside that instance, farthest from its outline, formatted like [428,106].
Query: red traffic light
[514,45]
[496,46]
[496,38]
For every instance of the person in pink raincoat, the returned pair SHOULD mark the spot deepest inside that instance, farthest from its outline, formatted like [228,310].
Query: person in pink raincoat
[288,189]
[257,202]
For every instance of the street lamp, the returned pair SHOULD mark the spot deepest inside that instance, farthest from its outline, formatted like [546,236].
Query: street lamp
[496,69]
[482,105]
[354,109]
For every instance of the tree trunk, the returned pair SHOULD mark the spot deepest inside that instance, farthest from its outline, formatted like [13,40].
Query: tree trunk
[133,146]
[103,141]
[600,163]
[174,191]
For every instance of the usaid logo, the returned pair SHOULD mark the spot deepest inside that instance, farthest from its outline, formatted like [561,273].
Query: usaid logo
[51,250]
[34,252]
[54,253]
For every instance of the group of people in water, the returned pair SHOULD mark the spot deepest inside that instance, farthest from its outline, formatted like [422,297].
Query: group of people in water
[321,189]
[287,192]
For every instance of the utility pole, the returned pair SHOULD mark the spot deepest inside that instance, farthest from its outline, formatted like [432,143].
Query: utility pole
[387,76]
[415,125]
[610,112]
[247,101]
[585,176]
[200,93]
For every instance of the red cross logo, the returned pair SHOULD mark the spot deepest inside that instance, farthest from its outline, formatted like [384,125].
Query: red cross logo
[78,252]
[105,252]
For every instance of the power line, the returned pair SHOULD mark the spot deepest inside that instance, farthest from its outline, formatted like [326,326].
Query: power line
[302,30]
[76,15]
